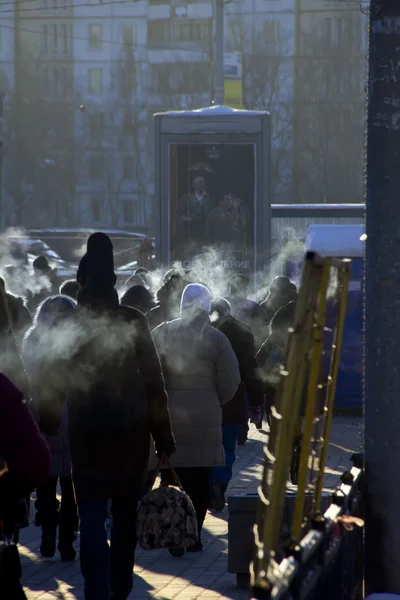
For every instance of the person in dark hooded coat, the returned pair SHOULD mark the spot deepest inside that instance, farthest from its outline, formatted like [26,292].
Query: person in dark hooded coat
[49,374]
[21,318]
[245,310]
[118,399]
[248,400]
[281,292]
[169,297]
[69,288]
[272,353]
[140,276]
[10,357]
[138,297]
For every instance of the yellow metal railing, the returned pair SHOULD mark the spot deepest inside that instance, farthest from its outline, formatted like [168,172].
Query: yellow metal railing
[303,407]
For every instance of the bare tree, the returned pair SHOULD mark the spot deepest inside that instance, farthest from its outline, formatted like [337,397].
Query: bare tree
[38,148]
[329,111]
[266,72]
[113,149]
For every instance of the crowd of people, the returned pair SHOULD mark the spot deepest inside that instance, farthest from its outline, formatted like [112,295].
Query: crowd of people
[96,386]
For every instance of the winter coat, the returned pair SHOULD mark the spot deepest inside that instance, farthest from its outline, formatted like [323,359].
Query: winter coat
[21,444]
[277,300]
[270,357]
[202,374]
[242,342]
[21,318]
[116,401]
[58,443]
[169,297]
[249,312]
[48,374]
[10,359]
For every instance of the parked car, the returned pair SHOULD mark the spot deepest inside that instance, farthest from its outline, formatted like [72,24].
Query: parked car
[70,243]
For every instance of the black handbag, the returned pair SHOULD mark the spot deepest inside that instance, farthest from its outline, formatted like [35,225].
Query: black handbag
[166,517]
[10,571]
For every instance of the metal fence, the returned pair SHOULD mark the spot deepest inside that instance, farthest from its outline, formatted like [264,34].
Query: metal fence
[328,563]
[293,220]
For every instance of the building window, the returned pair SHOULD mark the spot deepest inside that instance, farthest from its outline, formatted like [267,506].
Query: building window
[95,77]
[95,37]
[128,168]
[44,33]
[272,31]
[95,167]
[235,31]
[63,39]
[128,211]
[159,32]
[95,208]
[180,78]
[60,81]
[127,80]
[54,34]
[128,122]
[96,126]
[129,34]
[43,4]
[190,31]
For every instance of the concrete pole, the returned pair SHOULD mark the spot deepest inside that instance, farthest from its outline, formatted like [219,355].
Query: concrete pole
[382,302]
[219,52]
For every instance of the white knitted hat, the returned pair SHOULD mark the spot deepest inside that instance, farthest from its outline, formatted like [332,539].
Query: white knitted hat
[197,296]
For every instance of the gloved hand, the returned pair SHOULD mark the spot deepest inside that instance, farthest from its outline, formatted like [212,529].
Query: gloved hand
[166,446]
[255,415]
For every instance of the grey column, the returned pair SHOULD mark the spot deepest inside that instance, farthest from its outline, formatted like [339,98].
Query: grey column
[382,302]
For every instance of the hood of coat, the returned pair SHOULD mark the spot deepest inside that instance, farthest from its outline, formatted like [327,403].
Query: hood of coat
[194,320]
[109,301]
[15,302]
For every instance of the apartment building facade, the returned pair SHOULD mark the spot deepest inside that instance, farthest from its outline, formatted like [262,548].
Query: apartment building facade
[6,82]
[329,92]
[93,72]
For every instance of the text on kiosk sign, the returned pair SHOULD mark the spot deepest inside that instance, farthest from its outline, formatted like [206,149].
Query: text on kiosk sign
[226,264]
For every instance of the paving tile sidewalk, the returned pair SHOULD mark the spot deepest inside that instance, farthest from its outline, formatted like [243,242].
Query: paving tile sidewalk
[198,576]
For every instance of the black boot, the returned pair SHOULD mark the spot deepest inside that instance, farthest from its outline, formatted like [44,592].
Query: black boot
[47,518]
[66,538]
[48,545]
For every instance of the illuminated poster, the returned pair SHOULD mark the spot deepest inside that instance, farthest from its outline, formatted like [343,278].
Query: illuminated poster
[212,189]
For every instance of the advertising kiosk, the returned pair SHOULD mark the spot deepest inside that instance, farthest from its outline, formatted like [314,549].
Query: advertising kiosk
[212,188]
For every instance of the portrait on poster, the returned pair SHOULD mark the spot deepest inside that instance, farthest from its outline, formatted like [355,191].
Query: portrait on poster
[212,189]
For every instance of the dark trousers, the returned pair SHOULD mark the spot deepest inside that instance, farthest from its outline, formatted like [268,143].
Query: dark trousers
[223,474]
[196,483]
[105,568]
[50,513]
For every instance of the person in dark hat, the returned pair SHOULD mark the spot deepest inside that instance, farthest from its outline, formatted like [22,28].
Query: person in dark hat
[46,284]
[140,276]
[41,265]
[138,297]
[21,318]
[281,292]
[272,353]
[117,400]
[168,297]
[69,288]
[250,393]
[246,310]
